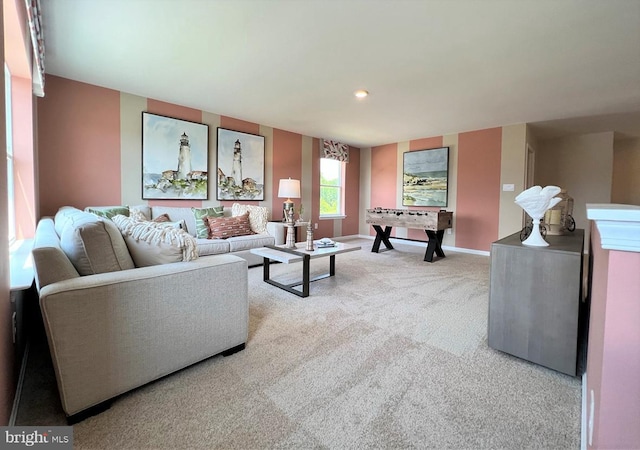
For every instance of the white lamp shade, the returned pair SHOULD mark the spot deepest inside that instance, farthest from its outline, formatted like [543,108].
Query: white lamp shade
[289,188]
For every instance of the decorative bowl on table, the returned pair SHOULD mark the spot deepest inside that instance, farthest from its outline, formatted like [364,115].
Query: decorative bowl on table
[536,201]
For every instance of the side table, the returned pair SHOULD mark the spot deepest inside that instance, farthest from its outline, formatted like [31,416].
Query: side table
[297,225]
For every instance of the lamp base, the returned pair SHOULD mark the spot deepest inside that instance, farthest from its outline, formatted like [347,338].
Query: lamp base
[287,209]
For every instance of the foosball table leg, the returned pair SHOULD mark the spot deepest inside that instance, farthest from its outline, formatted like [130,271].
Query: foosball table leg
[381,236]
[434,245]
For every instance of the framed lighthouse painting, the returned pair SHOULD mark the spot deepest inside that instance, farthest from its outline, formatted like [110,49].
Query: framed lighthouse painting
[175,157]
[240,158]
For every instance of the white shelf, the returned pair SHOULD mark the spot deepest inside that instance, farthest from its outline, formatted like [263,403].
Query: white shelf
[619,225]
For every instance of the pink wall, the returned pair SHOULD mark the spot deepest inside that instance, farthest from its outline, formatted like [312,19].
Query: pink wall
[351,224]
[384,164]
[478,190]
[85,142]
[239,125]
[325,227]
[423,144]
[78,145]
[287,163]
[613,360]
[82,148]
[477,211]
[16,38]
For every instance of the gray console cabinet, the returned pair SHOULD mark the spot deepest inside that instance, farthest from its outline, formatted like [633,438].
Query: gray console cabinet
[534,300]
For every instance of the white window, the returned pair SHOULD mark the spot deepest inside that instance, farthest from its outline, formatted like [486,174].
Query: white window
[331,187]
[11,213]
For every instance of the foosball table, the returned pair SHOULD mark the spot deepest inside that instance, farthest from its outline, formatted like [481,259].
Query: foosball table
[432,222]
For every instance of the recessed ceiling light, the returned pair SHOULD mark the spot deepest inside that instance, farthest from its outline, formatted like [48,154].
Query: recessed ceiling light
[361,93]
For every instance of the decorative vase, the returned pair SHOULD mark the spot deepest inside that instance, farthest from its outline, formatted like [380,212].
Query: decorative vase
[535,201]
[535,239]
[309,237]
[291,236]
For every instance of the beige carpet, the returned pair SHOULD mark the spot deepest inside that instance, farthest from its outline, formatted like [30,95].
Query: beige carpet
[390,353]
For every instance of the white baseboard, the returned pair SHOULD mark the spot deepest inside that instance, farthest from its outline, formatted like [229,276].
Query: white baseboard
[419,244]
[16,398]
[583,427]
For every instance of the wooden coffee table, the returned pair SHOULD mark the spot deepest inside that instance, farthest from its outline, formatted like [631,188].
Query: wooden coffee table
[292,255]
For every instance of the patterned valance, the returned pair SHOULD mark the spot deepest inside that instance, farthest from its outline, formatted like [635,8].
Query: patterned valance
[335,150]
[37,41]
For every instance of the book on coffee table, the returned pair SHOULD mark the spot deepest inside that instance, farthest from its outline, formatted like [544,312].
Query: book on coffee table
[325,243]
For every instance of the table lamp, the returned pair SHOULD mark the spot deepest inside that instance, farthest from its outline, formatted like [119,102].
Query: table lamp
[288,189]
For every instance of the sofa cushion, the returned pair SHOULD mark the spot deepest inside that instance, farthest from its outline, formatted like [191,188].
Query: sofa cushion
[202,230]
[93,244]
[258,216]
[239,243]
[208,247]
[152,243]
[226,227]
[108,211]
[50,262]
[65,216]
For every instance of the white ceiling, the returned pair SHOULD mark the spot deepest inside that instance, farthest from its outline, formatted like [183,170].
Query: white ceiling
[432,67]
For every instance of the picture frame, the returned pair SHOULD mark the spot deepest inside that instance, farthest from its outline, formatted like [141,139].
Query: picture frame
[240,165]
[425,177]
[175,158]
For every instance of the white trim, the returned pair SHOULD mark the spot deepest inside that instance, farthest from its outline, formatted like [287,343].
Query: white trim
[21,271]
[16,398]
[332,217]
[583,427]
[619,225]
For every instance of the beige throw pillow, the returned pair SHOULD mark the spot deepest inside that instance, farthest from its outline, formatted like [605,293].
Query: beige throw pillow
[152,243]
[137,215]
[94,245]
[258,216]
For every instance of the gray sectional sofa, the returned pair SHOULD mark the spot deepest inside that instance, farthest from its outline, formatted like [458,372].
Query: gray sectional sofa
[112,326]
[239,245]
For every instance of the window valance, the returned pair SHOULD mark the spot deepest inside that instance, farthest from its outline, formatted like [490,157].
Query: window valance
[37,41]
[335,150]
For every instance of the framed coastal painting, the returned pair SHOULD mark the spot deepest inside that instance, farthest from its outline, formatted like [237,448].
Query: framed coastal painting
[240,159]
[425,177]
[175,157]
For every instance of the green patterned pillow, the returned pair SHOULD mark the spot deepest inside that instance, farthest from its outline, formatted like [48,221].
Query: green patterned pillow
[202,231]
[108,213]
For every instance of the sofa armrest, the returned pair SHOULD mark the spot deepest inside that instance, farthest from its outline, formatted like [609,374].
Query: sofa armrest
[111,332]
[277,230]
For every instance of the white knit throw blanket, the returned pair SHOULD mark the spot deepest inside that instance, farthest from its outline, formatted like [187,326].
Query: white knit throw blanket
[155,234]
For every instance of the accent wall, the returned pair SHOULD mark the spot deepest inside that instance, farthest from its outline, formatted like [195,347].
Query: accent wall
[479,163]
[90,144]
